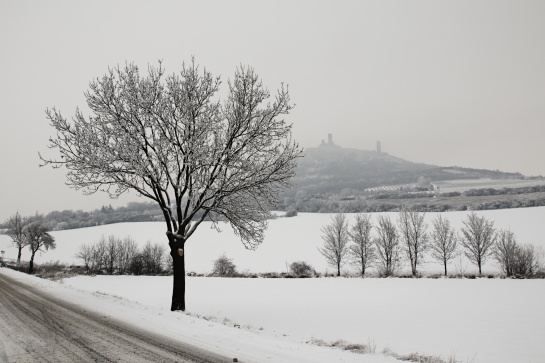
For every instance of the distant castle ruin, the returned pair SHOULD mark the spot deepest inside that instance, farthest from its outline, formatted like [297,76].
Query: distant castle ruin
[330,143]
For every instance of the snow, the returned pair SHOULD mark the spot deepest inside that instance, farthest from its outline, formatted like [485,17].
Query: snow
[286,240]
[480,321]
[246,345]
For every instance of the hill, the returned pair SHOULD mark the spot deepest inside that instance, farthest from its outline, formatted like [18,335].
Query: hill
[330,169]
[330,178]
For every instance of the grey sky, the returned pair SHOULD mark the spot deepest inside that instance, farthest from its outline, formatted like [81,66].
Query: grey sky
[440,82]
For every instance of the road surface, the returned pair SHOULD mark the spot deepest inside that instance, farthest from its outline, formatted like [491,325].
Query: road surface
[37,327]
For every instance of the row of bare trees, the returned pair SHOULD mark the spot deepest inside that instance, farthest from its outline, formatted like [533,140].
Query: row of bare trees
[114,255]
[31,232]
[386,245]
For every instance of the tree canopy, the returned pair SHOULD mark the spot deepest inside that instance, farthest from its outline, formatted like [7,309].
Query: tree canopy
[172,140]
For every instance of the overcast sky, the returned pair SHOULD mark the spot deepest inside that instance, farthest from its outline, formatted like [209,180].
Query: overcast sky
[439,82]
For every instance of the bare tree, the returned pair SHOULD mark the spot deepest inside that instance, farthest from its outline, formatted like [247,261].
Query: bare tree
[528,260]
[152,258]
[170,139]
[388,249]
[224,267]
[38,237]
[127,249]
[99,255]
[336,237]
[412,230]
[444,241]
[86,254]
[479,236]
[111,255]
[505,251]
[363,250]
[15,225]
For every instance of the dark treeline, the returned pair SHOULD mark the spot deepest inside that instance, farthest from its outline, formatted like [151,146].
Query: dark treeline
[505,191]
[69,219]
[379,202]
[384,201]
[133,212]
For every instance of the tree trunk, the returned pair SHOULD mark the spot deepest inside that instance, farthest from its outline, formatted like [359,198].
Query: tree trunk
[19,255]
[31,265]
[445,263]
[176,243]
[338,269]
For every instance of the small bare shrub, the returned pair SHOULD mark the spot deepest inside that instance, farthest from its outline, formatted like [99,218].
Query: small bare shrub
[302,269]
[224,267]
[528,260]
[291,213]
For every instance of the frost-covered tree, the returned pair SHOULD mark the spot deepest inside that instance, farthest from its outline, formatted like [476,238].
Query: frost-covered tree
[86,253]
[413,232]
[335,236]
[15,225]
[444,241]
[172,140]
[363,250]
[479,237]
[388,249]
[223,266]
[528,260]
[301,268]
[152,258]
[36,232]
[505,251]
[128,249]
[111,247]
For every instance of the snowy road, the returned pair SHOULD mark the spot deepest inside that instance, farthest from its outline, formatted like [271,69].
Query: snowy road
[35,326]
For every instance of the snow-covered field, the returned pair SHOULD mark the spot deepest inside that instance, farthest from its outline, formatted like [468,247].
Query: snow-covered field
[258,346]
[482,320]
[287,240]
